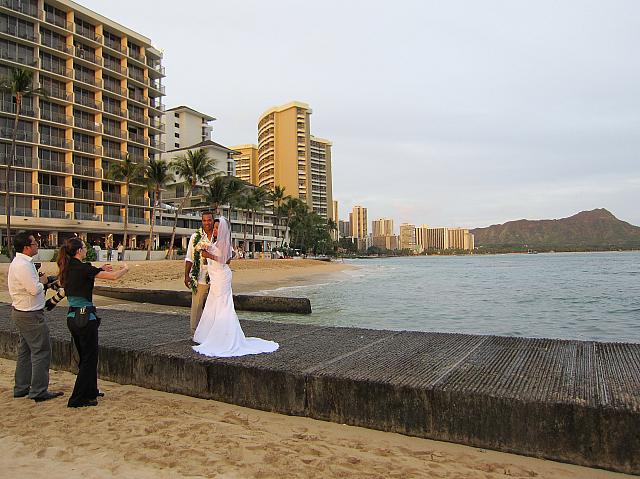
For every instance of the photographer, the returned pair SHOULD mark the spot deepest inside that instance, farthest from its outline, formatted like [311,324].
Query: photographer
[27,299]
[77,278]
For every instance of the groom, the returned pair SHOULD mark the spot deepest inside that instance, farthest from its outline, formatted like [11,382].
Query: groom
[195,268]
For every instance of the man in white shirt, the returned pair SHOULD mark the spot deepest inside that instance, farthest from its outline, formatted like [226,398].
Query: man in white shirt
[27,298]
[199,296]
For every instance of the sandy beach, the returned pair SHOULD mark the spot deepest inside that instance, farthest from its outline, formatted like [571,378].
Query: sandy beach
[140,433]
[248,275]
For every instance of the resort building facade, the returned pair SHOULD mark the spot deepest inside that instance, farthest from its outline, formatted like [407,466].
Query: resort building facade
[358,222]
[289,156]
[444,238]
[104,103]
[247,163]
[185,127]
[382,227]
[407,237]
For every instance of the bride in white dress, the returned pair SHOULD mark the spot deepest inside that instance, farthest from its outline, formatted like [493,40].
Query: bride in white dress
[219,333]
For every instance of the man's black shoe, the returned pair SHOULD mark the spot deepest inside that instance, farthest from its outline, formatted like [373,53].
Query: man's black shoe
[20,395]
[48,395]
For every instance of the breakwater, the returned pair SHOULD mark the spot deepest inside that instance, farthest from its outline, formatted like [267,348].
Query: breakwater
[570,401]
[242,302]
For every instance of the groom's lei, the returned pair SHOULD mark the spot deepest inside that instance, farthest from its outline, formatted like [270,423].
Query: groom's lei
[197,262]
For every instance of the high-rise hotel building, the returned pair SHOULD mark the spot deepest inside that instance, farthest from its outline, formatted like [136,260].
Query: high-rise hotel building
[288,155]
[104,85]
[358,222]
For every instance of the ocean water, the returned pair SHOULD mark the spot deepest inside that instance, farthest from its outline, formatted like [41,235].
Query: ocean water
[587,296]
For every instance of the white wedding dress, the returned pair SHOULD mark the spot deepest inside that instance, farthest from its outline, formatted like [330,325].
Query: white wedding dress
[219,333]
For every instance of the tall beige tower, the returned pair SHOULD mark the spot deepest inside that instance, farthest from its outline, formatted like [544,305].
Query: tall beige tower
[320,169]
[408,236]
[358,221]
[289,156]
[247,163]
[382,227]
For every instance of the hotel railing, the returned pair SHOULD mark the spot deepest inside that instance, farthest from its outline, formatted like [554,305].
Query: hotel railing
[136,220]
[50,165]
[56,68]
[115,68]
[58,141]
[57,45]
[50,115]
[138,138]
[90,102]
[54,214]
[54,190]
[20,187]
[11,30]
[83,194]
[87,148]
[112,218]
[19,161]
[87,125]
[115,110]
[13,56]
[115,89]
[10,107]
[22,135]
[117,133]
[85,216]
[58,93]
[111,197]
[89,171]
[21,7]
[138,201]
[85,78]
[87,33]
[117,154]
[115,46]
[56,20]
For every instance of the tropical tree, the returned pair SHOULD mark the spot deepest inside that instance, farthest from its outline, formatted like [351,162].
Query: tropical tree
[258,200]
[236,189]
[277,196]
[292,207]
[157,176]
[194,167]
[245,202]
[221,191]
[127,171]
[19,84]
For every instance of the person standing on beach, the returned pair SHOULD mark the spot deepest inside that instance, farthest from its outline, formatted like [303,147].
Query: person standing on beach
[77,278]
[196,277]
[27,298]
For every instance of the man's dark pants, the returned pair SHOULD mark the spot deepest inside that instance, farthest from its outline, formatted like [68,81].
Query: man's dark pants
[34,353]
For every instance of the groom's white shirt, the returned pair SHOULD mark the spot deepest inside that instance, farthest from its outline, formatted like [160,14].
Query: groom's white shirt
[203,270]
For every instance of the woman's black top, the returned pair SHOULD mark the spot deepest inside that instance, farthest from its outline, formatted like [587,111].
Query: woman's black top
[80,279]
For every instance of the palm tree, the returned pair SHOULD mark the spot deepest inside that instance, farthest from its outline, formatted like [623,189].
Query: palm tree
[277,196]
[221,191]
[157,175]
[19,84]
[245,202]
[129,172]
[193,168]
[291,207]
[258,197]
[236,188]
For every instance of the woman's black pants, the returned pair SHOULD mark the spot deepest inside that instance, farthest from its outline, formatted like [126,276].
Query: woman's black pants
[86,340]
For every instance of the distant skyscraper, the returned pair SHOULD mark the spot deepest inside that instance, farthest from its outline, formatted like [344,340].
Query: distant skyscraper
[289,156]
[407,236]
[444,238]
[382,227]
[358,221]
[344,227]
[247,163]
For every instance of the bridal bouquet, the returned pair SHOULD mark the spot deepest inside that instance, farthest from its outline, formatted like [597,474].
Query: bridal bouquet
[203,244]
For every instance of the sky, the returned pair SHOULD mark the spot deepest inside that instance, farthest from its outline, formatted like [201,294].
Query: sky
[456,113]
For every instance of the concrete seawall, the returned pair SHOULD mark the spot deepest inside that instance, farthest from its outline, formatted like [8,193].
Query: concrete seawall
[242,302]
[570,401]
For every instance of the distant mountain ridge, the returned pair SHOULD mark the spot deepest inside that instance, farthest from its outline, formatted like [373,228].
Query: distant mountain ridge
[595,229]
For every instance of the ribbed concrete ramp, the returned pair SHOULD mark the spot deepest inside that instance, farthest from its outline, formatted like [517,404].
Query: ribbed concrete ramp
[570,401]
